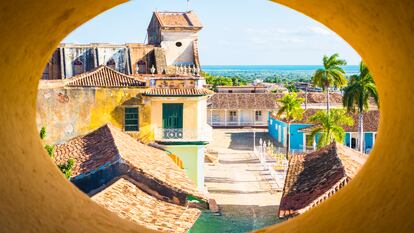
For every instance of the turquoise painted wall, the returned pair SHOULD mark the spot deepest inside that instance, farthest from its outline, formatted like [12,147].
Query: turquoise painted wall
[193,160]
[369,141]
[296,137]
[274,131]
[347,141]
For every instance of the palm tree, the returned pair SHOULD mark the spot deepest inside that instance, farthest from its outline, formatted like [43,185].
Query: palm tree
[329,126]
[360,89]
[330,75]
[290,110]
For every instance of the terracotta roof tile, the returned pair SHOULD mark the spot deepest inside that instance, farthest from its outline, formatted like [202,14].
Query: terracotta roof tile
[177,92]
[371,122]
[104,76]
[305,117]
[108,144]
[91,151]
[267,100]
[243,101]
[320,97]
[125,199]
[314,177]
[245,86]
[178,19]
[154,163]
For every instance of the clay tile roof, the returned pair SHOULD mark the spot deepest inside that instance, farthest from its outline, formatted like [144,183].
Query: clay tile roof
[90,152]
[108,145]
[320,97]
[245,86]
[243,101]
[178,20]
[371,122]
[104,76]
[305,117]
[314,177]
[126,200]
[153,163]
[177,92]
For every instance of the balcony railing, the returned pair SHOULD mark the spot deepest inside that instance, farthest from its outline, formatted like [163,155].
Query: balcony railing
[236,123]
[204,134]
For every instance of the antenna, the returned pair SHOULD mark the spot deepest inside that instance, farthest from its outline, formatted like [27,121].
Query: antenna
[188,5]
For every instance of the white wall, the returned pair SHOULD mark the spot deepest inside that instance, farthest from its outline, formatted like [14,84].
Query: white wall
[178,55]
[246,116]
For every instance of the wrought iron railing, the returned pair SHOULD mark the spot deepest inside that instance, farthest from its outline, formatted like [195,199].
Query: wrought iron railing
[236,123]
[201,134]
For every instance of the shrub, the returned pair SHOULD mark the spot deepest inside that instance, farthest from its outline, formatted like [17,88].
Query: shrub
[66,169]
[49,149]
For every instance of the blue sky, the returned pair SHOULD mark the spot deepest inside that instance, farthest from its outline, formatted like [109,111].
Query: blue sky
[246,32]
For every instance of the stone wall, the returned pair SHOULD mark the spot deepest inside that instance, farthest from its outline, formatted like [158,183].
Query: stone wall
[160,62]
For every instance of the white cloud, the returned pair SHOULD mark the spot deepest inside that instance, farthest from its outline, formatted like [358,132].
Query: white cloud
[321,31]
[310,37]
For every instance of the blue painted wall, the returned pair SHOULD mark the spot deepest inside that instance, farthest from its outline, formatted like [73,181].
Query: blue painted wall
[296,137]
[347,141]
[275,128]
[369,141]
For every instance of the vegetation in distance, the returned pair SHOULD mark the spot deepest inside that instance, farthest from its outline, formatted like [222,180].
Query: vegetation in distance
[215,81]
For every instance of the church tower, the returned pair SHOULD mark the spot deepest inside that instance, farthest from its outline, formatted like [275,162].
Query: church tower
[177,34]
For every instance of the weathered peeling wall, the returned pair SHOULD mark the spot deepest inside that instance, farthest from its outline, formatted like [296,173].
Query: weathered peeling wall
[119,54]
[70,112]
[175,83]
[140,52]
[71,54]
[36,197]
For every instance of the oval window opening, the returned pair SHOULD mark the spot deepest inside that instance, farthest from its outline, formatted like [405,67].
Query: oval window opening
[141,99]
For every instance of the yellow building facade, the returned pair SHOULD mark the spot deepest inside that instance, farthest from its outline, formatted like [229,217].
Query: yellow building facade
[174,117]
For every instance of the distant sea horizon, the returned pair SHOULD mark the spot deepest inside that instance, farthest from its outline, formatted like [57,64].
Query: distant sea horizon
[264,71]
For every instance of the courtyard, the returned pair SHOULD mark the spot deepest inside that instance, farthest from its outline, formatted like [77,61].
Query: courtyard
[246,194]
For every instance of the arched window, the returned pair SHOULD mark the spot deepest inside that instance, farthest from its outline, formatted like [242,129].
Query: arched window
[78,67]
[141,67]
[111,64]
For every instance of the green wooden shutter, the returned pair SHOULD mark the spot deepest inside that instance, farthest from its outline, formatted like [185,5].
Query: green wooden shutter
[172,116]
[131,119]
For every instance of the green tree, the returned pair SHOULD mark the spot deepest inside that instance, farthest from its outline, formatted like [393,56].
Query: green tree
[66,169]
[290,110]
[237,81]
[356,97]
[330,75]
[329,126]
[291,87]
